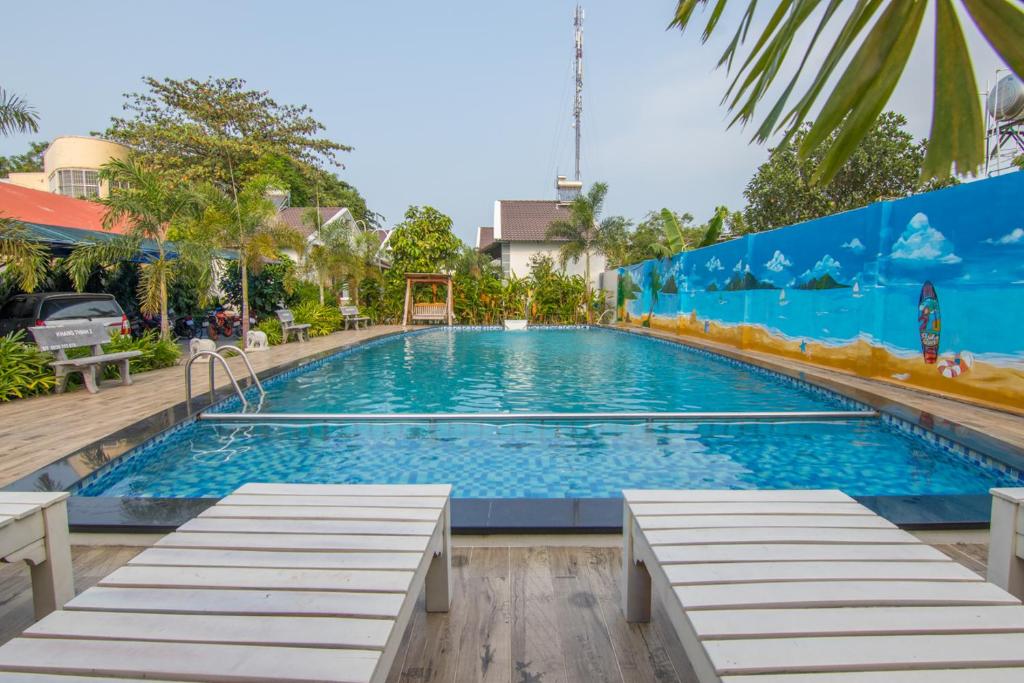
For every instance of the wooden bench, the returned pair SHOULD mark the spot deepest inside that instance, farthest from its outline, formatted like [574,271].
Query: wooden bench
[289,326]
[1006,540]
[34,529]
[282,582]
[430,311]
[811,587]
[350,314]
[60,338]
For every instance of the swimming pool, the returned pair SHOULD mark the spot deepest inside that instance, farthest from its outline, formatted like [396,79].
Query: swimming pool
[591,370]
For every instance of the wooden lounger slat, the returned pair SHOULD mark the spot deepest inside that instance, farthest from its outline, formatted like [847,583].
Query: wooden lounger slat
[204,539]
[794,552]
[402,490]
[777,535]
[203,557]
[294,501]
[767,623]
[750,508]
[269,579]
[308,526]
[801,597]
[994,675]
[408,514]
[747,521]
[752,572]
[842,594]
[866,653]
[257,592]
[370,634]
[16,510]
[228,601]
[187,661]
[728,496]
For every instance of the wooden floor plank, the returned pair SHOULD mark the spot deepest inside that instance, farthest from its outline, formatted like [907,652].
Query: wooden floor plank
[485,641]
[538,655]
[588,652]
[995,675]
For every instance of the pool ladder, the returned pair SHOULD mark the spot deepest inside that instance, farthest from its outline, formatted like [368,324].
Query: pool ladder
[218,355]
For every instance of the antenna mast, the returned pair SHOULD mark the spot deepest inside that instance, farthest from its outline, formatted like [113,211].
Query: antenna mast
[577,110]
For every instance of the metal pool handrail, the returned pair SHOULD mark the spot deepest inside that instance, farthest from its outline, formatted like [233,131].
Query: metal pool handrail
[231,376]
[780,416]
[245,358]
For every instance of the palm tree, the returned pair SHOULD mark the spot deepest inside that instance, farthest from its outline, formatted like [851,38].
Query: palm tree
[16,115]
[327,249]
[363,260]
[581,234]
[872,72]
[245,223]
[20,256]
[149,204]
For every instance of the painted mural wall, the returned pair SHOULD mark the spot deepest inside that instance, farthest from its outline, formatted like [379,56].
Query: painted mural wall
[925,291]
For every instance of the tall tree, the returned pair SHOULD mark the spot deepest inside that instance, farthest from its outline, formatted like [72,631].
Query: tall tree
[29,162]
[149,204]
[245,223]
[875,59]
[584,233]
[886,164]
[16,115]
[423,242]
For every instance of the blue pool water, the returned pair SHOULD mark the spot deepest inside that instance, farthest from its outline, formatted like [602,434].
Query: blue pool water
[572,371]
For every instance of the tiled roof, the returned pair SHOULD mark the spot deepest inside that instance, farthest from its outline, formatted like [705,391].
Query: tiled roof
[46,208]
[527,220]
[484,237]
[292,217]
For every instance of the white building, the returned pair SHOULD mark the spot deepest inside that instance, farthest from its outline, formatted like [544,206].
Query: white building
[520,232]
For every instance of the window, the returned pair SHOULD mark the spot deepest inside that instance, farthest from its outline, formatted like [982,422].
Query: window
[65,309]
[75,182]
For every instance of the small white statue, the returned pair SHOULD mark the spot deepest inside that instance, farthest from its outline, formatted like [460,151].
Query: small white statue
[197,345]
[256,341]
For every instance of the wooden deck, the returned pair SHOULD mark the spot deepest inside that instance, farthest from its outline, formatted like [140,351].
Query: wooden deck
[519,614]
[37,431]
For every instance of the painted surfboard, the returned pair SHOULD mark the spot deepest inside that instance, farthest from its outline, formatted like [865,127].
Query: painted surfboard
[929,322]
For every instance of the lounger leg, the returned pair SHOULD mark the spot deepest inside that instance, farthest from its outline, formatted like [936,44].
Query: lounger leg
[91,381]
[1005,568]
[438,584]
[636,581]
[52,580]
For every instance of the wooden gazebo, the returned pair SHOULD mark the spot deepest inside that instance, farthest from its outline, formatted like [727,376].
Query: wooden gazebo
[435,311]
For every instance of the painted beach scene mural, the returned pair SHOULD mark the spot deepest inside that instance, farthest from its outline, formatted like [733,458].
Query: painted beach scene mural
[925,291]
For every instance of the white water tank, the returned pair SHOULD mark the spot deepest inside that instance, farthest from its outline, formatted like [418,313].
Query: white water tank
[1006,100]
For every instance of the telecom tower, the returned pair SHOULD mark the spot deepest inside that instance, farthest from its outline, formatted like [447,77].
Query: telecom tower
[1004,124]
[564,188]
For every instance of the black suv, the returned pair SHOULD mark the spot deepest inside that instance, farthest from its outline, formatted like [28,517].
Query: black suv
[22,311]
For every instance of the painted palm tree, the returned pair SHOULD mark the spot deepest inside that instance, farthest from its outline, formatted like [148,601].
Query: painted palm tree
[16,115]
[21,256]
[655,284]
[583,233]
[245,223]
[875,58]
[149,204]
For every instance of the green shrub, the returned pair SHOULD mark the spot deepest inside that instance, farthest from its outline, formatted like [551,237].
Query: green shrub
[307,292]
[321,319]
[24,369]
[272,328]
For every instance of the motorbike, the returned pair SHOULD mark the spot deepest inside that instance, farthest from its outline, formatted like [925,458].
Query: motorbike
[142,323]
[221,322]
[185,327]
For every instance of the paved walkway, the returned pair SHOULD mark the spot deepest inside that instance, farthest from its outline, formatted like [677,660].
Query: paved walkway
[37,431]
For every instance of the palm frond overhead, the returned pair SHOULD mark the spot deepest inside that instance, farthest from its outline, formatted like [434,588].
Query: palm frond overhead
[16,115]
[21,256]
[875,39]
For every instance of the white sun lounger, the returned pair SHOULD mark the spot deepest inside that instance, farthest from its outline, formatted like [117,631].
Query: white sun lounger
[34,529]
[811,587]
[1006,540]
[284,582]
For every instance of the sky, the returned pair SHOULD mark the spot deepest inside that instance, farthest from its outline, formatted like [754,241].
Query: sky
[452,104]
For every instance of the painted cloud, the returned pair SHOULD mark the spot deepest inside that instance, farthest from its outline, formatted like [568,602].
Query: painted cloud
[826,266]
[714,264]
[921,242]
[854,245]
[1015,236]
[778,262]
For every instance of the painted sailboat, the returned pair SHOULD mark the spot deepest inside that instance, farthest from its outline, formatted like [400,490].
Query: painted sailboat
[856,290]
[782,297]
